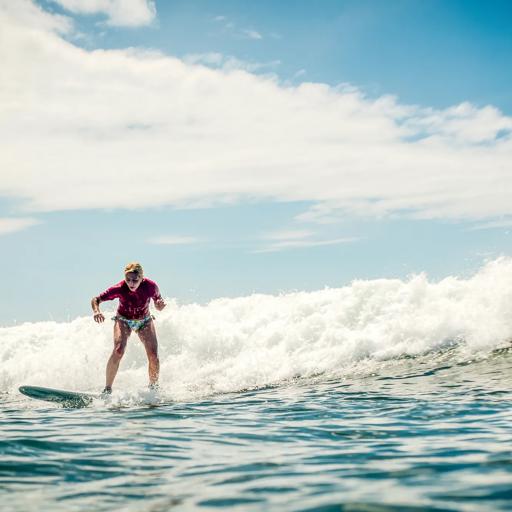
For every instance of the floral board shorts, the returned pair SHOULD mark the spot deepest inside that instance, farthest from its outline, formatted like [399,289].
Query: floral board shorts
[135,325]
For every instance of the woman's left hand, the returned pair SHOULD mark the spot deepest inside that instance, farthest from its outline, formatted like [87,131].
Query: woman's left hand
[160,304]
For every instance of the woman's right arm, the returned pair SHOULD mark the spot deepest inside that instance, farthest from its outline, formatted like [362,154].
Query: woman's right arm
[98,315]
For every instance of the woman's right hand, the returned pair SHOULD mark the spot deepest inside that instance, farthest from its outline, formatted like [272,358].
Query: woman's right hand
[98,317]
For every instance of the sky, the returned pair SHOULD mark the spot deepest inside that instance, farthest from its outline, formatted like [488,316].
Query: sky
[239,147]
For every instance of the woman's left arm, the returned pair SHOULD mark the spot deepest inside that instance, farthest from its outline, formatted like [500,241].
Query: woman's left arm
[157,299]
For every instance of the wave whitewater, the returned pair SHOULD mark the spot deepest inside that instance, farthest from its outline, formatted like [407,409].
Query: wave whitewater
[229,345]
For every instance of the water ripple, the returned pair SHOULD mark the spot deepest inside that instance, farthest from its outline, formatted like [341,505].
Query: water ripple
[438,439]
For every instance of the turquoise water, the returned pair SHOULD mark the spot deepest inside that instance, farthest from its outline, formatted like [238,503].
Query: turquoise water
[431,433]
[381,395]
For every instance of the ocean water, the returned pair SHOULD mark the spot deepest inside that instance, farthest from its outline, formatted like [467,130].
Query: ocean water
[381,395]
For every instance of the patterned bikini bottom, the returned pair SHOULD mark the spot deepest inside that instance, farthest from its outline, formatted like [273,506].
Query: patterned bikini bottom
[135,325]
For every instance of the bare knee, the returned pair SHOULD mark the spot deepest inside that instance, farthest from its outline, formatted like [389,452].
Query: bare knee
[118,351]
[119,348]
[121,335]
[117,354]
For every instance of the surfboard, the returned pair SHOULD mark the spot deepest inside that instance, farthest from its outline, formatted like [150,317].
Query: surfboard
[66,398]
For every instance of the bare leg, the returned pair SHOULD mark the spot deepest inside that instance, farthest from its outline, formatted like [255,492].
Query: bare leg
[121,334]
[148,337]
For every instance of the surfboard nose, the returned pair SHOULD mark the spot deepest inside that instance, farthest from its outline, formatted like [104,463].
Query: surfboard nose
[66,398]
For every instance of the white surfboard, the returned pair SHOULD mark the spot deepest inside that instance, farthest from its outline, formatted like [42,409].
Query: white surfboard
[66,398]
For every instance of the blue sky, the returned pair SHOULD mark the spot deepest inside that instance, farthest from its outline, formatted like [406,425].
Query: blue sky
[237,147]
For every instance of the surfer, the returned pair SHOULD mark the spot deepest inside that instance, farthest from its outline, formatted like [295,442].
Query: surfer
[134,293]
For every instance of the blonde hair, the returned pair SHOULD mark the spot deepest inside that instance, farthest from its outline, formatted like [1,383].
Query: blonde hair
[134,266]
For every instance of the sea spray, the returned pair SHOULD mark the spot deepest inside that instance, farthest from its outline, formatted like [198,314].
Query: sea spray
[230,345]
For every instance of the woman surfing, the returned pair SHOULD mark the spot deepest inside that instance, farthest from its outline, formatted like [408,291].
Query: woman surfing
[134,293]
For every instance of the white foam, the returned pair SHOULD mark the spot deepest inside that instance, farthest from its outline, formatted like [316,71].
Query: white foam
[233,344]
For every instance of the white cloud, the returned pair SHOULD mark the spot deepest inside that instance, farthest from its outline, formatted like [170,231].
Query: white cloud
[228,62]
[230,27]
[286,240]
[86,122]
[296,234]
[130,13]
[11,224]
[252,34]
[174,240]
[30,15]
[213,59]
[495,224]
[463,123]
